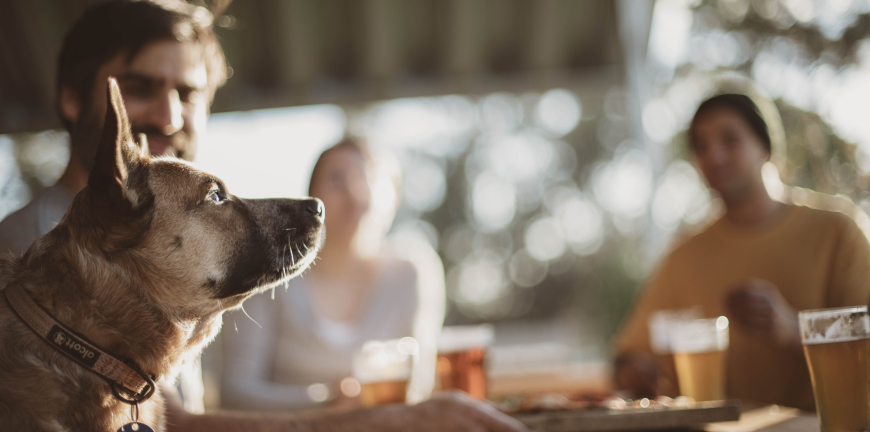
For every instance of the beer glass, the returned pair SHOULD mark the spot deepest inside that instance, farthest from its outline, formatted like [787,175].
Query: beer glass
[660,323]
[836,345]
[461,358]
[383,369]
[699,348]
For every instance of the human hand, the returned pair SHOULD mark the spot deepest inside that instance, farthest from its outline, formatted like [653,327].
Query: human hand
[638,373]
[448,411]
[756,306]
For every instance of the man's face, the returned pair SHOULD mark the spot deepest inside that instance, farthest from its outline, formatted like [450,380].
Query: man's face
[728,152]
[166,95]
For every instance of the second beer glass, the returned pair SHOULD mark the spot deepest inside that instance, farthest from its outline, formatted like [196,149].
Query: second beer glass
[462,358]
[837,344]
[383,369]
[699,348]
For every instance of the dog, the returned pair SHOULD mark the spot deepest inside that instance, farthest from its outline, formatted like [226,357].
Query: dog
[140,269]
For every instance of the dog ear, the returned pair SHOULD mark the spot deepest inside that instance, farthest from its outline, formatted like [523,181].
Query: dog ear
[144,150]
[118,155]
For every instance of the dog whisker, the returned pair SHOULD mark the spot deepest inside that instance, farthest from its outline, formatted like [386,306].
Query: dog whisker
[242,307]
[283,266]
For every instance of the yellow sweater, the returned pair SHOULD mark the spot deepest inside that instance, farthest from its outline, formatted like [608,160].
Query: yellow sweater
[816,258]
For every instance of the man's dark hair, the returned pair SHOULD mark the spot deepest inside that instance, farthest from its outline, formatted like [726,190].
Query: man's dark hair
[738,103]
[127,26]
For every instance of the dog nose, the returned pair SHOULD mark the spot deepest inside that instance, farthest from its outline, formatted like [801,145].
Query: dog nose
[315,207]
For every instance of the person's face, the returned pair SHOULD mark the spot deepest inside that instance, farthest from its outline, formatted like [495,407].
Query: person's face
[728,152]
[166,95]
[343,184]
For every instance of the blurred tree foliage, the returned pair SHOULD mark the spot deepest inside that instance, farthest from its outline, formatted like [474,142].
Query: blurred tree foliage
[816,33]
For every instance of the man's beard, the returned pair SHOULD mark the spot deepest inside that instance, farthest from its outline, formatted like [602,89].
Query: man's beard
[85,139]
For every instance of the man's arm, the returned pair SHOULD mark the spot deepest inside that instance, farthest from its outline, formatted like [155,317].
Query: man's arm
[636,368]
[444,412]
[850,273]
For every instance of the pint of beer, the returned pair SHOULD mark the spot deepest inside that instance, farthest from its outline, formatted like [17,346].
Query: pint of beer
[836,345]
[461,358]
[383,369]
[699,348]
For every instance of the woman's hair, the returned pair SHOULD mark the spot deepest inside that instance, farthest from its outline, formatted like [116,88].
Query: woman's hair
[738,103]
[378,163]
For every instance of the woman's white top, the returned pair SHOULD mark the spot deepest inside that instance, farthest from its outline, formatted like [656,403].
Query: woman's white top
[269,365]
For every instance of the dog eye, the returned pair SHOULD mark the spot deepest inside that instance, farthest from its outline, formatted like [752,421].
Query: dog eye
[217,197]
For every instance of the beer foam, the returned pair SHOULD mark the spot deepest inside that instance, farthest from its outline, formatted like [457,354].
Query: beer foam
[384,361]
[834,325]
[699,336]
[661,321]
[823,340]
[461,338]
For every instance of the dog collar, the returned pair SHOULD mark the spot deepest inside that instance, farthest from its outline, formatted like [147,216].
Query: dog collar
[124,374]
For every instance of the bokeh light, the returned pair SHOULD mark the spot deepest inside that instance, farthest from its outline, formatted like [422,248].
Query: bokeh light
[544,239]
[526,270]
[478,283]
[558,112]
[493,202]
[581,221]
[423,184]
[624,186]
[681,196]
[500,112]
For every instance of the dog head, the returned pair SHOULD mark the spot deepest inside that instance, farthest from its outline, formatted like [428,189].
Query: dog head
[177,234]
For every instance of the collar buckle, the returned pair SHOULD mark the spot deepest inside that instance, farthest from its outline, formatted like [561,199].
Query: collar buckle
[136,397]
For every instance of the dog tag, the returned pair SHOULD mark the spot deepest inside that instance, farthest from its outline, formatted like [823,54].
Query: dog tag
[135,427]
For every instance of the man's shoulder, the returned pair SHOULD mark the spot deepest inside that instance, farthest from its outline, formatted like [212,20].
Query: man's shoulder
[815,216]
[20,229]
[825,222]
[23,227]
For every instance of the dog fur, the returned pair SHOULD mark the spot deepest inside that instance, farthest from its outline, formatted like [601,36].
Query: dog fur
[145,261]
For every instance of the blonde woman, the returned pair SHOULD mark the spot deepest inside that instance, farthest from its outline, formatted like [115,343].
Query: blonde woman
[362,287]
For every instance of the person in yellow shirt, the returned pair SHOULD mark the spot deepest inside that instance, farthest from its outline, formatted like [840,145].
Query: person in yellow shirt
[758,265]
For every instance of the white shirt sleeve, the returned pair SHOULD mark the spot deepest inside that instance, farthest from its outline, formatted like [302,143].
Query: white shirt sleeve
[249,353]
[429,316]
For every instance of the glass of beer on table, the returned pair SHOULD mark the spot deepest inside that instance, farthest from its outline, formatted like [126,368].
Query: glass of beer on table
[462,358]
[383,369]
[836,345]
[699,348]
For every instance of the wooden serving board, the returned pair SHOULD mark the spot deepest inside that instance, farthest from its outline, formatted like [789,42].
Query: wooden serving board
[629,419]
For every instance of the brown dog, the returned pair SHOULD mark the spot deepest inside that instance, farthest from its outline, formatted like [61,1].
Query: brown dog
[143,264]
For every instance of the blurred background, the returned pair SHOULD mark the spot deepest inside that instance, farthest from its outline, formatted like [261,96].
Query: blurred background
[542,142]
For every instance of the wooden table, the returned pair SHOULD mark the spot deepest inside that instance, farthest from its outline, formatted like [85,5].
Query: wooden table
[771,418]
[595,378]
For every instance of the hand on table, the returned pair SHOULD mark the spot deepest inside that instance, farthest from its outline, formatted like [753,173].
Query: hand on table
[756,306]
[638,373]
